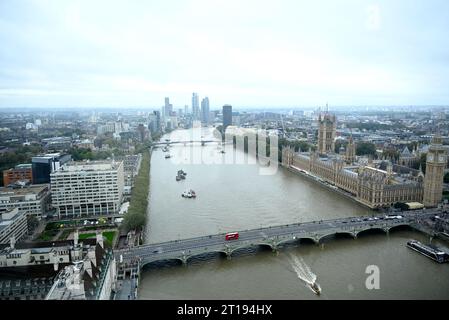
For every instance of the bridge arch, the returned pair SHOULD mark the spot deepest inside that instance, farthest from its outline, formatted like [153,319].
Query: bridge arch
[371,230]
[233,251]
[400,226]
[206,255]
[161,262]
[336,234]
[289,241]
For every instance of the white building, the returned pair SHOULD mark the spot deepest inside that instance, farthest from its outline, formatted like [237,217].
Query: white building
[88,188]
[13,224]
[12,257]
[33,200]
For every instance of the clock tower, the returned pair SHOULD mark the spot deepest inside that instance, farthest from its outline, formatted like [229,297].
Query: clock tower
[435,165]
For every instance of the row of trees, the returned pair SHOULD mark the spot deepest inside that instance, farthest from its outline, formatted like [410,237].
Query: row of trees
[79,154]
[136,216]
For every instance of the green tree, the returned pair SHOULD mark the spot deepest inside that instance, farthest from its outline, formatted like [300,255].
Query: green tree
[365,148]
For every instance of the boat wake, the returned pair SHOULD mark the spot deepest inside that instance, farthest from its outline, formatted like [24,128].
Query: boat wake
[304,273]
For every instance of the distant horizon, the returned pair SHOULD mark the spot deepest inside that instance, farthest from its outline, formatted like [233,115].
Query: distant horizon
[235,108]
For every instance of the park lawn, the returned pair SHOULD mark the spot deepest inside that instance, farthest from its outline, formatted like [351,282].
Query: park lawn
[48,235]
[83,236]
[109,235]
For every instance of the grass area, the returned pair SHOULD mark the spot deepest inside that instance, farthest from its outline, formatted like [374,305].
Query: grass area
[108,235]
[83,236]
[136,216]
[48,235]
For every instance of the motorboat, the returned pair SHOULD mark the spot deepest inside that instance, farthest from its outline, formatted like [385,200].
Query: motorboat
[167,156]
[315,287]
[189,194]
[178,178]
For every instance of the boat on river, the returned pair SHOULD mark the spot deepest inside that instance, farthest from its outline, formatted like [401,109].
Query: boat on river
[189,194]
[315,287]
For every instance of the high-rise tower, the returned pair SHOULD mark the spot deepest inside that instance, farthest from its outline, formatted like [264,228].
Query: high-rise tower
[205,110]
[227,116]
[195,106]
[433,180]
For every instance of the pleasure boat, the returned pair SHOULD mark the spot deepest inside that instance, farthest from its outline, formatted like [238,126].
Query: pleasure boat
[167,156]
[316,288]
[189,194]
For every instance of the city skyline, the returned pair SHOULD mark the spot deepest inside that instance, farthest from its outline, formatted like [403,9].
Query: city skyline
[65,54]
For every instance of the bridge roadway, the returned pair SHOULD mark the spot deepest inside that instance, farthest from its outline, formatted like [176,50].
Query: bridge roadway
[272,237]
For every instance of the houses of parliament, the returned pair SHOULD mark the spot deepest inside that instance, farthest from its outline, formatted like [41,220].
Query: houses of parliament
[374,184]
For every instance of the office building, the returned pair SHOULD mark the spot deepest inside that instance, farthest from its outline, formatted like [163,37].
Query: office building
[45,164]
[21,172]
[168,108]
[195,106]
[13,225]
[205,111]
[33,200]
[88,188]
[227,116]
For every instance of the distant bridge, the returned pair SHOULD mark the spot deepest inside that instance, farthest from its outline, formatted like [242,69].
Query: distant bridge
[155,144]
[271,237]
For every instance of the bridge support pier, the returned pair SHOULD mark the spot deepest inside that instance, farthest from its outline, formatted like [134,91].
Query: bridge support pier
[228,252]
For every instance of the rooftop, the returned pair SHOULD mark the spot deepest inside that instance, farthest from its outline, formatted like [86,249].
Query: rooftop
[78,166]
[30,189]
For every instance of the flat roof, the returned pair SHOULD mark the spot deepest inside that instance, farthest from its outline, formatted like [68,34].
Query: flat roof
[76,166]
[34,188]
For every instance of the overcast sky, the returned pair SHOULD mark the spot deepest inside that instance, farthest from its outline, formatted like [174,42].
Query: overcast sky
[245,53]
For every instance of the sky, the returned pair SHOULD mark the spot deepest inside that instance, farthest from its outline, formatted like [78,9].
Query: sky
[58,53]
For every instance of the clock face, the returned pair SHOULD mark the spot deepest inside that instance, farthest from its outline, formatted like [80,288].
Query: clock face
[441,158]
[430,157]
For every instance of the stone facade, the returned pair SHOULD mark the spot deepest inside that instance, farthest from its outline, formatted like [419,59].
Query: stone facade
[435,165]
[369,185]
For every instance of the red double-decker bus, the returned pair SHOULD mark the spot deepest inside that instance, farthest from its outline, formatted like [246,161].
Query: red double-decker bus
[232,236]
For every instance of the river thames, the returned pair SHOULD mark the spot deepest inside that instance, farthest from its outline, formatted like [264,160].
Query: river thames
[234,197]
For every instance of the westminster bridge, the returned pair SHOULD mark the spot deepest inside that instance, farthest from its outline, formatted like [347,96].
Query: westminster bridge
[273,237]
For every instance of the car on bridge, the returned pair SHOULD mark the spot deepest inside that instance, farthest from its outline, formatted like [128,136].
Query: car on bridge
[232,236]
